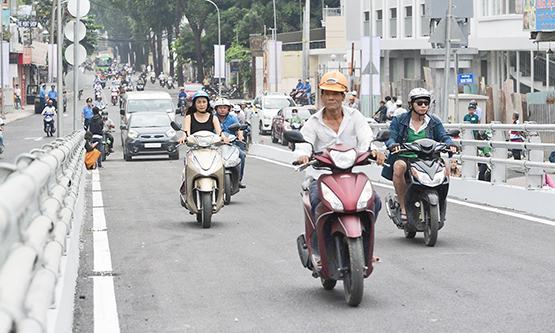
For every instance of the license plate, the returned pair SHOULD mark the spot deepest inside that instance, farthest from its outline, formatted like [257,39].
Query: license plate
[153,145]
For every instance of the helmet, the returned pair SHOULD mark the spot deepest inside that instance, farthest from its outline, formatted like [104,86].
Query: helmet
[200,93]
[236,108]
[334,81]
[419,93]
[399,102]
[221,102]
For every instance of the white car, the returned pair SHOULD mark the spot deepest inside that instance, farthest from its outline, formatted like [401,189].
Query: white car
[267,107]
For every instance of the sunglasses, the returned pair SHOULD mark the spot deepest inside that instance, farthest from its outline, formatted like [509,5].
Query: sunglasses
[421,103]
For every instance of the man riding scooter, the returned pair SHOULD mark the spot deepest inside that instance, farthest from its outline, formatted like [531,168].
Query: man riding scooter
[333,124]
[407,128]
[223,108]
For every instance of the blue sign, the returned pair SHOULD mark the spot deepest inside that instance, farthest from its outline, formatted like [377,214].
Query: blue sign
[465,78]
[545,15]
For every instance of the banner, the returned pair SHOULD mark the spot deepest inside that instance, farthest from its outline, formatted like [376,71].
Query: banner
[6,65]
[52,62]
[274,62]
[538,15]
[219,61]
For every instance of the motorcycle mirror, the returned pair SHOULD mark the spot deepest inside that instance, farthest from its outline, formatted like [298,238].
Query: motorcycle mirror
[122,112]
[175,126]
[294,136]
[382,136]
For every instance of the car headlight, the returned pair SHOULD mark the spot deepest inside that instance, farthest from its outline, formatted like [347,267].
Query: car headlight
[330,197]
[343,159]
[132,134]
[426,180]
[365,196]
[170,133]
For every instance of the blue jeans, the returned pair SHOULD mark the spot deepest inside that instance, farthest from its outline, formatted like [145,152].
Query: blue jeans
[242,156]
[315,200]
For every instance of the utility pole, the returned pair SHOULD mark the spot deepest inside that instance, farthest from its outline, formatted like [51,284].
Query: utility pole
[306,40]
[275,48]
[445,108]
[75,65]
[2,113]
[371,57]
[59,75]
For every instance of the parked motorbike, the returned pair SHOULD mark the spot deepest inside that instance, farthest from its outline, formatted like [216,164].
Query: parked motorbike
[427,188]
[203,176]
[339,243]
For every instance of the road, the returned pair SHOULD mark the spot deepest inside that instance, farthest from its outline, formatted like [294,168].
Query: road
[488,272]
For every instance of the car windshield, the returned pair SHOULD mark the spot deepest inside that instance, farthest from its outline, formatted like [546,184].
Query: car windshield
[149,105]
[277,103]
[150,120]
[303,113]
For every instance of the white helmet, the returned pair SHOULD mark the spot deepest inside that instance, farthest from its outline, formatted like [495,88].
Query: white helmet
[399,102]
[222,101]
[417,93]
[236,108]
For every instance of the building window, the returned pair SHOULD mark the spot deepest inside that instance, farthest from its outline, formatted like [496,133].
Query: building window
[408,21]
[379,23]
[424,21]
[393,22]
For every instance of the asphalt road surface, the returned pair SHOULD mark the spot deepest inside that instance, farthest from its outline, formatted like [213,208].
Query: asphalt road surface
[488,272]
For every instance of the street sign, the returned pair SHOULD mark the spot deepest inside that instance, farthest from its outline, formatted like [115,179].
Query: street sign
[27,24]
[84,7]
[69,79]
[81,54]
[69,30]
[457,35]
[234,66]
[465,78]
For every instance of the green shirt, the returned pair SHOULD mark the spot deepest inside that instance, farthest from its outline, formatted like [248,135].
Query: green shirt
[411,137]
[471,118]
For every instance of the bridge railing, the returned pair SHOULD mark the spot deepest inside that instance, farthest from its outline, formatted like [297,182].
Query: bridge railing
[38,196]
[534,165]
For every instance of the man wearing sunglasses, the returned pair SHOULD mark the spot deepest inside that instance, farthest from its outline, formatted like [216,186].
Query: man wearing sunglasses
[406,128]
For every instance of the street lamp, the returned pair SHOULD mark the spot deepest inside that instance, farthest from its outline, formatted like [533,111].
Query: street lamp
[219,45]
[275,47]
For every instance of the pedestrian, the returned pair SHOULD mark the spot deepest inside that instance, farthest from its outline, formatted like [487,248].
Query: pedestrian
[381,114]
[87,114]
[308,91]
[53,95]
[353,101]
[516,136]
[471,116]
[17,97]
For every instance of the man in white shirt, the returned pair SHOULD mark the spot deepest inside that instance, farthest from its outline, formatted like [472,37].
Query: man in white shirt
[399,110]
[335,124]
[17,96]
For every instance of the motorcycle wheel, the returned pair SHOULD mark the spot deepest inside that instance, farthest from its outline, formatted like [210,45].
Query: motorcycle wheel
[432,225]
[328,284]
[353,280]
[206,209]
[227,189]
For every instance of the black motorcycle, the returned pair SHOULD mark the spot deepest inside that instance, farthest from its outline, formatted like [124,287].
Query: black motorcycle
[427,188]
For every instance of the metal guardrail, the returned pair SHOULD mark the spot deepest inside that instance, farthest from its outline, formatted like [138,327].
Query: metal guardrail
[534,166]
[38,195]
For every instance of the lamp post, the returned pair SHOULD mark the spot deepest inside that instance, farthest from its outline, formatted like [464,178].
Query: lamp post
[275,47]
[219,45]
[59,82]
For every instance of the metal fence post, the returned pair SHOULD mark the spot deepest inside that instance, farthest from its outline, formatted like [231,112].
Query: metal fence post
[468,168]
[498,171]
[535,175]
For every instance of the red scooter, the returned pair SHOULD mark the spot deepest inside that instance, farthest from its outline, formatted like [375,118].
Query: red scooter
[339,245]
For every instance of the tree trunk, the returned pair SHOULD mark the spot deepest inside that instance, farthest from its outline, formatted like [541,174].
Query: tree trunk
[159,51]
[180,79]
[170,42]
[154,55]
[198,48]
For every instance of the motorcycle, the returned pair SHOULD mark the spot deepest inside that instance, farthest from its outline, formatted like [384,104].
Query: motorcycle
[169,84]
[248,135]
[427,188]
[299,96]
[162,83]
[203,176]
[114,97]
[181,106]
[232,164]
[339,244]
[49,128]
[152,79]
[140,86]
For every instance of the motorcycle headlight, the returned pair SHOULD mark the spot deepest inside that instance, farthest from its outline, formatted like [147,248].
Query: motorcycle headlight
[426,180]
[170,133]
[132,134]
[330,197]
[365,196]
[343,159]
[232,161]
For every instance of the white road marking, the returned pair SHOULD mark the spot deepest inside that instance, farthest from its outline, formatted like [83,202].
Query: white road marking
[105,308]
[99,219]
[451,200]
[102,257]
[40,138]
